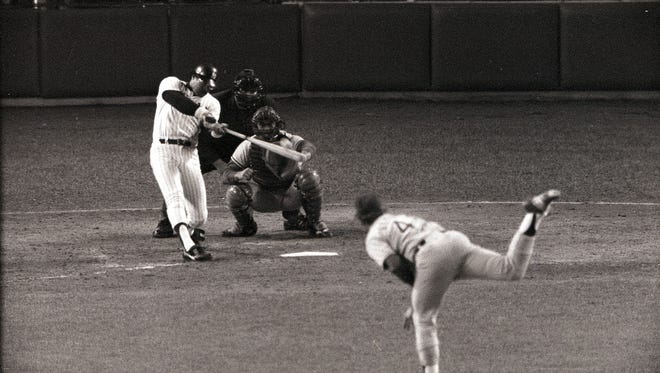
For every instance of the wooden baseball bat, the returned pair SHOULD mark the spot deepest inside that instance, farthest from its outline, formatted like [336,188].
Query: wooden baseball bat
[284,152]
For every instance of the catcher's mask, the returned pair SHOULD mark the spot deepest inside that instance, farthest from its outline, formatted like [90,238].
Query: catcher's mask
[248,89]
[266,124]
[368,208]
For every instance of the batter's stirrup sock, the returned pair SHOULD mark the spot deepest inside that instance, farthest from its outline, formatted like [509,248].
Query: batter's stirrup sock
[198,235]
[184,235]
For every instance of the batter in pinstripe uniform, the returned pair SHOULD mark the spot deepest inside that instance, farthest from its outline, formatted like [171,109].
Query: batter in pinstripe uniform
[428,257]
[238,104]
[181,109]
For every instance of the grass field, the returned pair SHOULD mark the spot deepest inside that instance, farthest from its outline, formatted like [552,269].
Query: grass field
[86,289]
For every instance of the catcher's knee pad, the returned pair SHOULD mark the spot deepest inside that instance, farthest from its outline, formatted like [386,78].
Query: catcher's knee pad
[239,197]
[309,183]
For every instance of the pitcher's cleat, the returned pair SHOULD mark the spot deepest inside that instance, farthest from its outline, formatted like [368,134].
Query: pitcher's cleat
[197,254]
[319,229]
[241,230]
[164,229]
[540,204]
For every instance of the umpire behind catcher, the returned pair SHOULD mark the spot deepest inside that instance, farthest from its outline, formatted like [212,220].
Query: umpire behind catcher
[238,104]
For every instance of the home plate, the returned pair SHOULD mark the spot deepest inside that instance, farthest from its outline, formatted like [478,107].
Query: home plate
[310,253]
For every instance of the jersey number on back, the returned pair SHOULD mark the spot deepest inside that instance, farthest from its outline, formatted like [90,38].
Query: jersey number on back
[402,226]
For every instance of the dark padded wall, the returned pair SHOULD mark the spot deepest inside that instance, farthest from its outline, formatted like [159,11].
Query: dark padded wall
[19,48]
[262,37]
[457,46]
[495,46]
[366,47]
[104,52]
[610,46]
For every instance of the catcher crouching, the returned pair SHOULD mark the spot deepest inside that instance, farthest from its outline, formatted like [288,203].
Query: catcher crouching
[263,181]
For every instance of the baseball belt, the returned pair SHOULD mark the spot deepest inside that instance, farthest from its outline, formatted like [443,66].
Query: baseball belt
[176,142]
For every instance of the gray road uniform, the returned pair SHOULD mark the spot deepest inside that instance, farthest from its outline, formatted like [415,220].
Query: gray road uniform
[430,258]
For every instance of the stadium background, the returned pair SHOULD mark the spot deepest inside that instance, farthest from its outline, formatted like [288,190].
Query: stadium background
[308,47]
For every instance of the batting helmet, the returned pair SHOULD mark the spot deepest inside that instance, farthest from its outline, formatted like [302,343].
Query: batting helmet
[206,72]
[248,89]
[368,208]
[266,123]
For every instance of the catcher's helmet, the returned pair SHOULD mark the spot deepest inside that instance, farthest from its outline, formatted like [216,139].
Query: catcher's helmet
[368,208]
[206,72]
[266,123]
[248,89]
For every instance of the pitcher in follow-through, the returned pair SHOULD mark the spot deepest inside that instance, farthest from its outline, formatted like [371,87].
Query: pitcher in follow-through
[181,109]
[428,257]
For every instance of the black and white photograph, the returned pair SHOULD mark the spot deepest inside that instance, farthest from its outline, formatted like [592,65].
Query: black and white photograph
[272,186]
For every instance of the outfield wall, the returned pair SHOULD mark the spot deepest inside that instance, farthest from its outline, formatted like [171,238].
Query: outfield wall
[331,47]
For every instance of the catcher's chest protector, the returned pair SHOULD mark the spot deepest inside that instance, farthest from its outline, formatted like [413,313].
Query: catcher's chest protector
[262,173]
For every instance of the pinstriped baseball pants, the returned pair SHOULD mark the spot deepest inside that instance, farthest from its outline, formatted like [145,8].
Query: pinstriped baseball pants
[177,172]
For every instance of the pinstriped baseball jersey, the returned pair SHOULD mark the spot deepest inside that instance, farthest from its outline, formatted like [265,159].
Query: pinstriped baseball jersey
[176,167]
[397,234]
[169,123]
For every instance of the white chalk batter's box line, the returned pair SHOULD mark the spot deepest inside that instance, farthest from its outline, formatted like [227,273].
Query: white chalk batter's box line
[115,267]
[398,204]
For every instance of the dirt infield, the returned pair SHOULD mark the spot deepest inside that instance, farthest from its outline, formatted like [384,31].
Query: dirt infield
[85,287]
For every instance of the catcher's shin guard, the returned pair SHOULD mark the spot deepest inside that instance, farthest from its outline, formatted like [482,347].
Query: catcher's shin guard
[294,221]
[308,183]
[239,198]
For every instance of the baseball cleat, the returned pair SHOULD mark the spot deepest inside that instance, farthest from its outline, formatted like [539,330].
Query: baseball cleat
[319,229]
[197,254]
[164,229]
[299,224]
[241,231]
[540,204]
